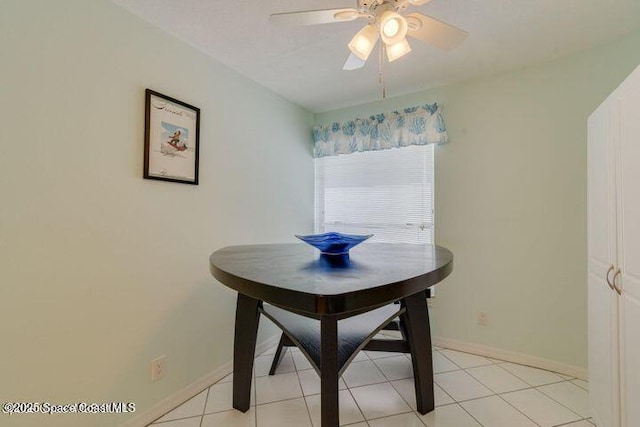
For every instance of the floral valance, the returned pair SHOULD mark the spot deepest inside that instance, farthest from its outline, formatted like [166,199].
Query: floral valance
[420,125]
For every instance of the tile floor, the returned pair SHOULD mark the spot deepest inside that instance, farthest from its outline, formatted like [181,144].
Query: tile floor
[377,391]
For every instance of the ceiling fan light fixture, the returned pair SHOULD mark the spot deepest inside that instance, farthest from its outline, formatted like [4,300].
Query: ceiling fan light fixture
[364,41]
[393,27]
[397,50]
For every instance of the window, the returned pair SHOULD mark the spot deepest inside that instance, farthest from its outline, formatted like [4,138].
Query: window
[387,193]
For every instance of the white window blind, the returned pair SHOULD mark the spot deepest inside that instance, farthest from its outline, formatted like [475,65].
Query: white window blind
[387,193]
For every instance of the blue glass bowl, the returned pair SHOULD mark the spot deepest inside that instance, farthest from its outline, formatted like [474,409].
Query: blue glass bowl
[334,243]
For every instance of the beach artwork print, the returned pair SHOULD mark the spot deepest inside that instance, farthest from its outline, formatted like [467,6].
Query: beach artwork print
[171,139]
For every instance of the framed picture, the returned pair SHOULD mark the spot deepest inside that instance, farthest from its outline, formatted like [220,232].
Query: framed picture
[171,139]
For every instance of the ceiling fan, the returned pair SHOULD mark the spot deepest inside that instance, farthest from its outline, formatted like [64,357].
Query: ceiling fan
[388,21]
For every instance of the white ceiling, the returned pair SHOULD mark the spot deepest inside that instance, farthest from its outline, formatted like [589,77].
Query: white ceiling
[304,64]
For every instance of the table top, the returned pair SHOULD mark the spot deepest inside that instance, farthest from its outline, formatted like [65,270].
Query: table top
[295,276]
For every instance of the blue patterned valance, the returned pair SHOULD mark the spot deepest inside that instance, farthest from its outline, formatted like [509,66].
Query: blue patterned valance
[420,125]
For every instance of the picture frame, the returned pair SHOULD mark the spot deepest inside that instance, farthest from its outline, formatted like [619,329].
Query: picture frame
[171,139]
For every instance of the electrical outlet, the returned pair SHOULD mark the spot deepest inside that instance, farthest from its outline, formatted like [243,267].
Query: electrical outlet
[483,319]
[158,368]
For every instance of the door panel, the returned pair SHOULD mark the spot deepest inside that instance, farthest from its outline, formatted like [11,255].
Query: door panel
[630,361]
[628,190]
[603,325]
[602,364]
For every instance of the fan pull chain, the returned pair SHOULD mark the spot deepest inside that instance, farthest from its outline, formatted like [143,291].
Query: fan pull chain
[381,74]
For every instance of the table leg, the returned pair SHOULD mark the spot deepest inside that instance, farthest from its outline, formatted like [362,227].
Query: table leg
[278,355]
[244,347]
[329,402]
[416,324]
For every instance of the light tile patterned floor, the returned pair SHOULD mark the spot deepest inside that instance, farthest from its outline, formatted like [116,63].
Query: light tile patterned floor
[377,391]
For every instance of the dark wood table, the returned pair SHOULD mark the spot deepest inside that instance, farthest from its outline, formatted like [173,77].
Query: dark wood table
[323,303]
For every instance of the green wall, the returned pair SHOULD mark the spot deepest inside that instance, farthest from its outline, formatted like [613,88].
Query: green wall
[511,200]
[100,270]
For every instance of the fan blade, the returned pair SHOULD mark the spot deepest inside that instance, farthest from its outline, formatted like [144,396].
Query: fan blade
[353,63]
[434,32]
[313,17]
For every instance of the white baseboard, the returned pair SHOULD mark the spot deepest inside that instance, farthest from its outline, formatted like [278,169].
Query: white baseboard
[511,356]
[186,393]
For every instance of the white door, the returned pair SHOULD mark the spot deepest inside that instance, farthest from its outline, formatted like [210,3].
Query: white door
[603,325]
[629,249]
